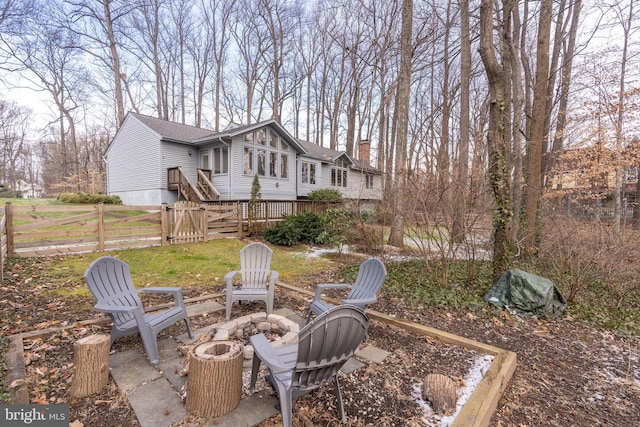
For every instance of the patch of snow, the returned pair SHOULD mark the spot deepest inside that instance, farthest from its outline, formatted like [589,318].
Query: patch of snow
[471,381]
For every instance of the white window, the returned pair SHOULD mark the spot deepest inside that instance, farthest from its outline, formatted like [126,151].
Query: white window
[269,158]
[248,161]
[284,166]
[368,181]
[220,160]
[339,174]
[308,173]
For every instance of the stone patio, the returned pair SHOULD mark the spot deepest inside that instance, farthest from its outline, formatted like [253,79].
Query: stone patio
[153,392]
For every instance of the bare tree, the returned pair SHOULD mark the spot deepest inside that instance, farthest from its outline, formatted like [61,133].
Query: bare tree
[396,237]
[537,137]
[14,122]
[252,43]
[217,16]
[462,165]
[45,54]
[498,139]
[94,21]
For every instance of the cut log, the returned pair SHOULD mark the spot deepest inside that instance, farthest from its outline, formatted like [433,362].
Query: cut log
[214,385]
[90,365]
[440,391]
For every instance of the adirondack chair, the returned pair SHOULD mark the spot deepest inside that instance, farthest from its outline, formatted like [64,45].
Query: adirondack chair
[371,276]
[324,345]
[109,280]
[258,280]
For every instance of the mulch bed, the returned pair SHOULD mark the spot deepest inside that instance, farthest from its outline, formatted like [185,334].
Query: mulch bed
[567,374]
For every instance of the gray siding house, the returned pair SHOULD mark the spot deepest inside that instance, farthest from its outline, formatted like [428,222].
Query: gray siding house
[147,155]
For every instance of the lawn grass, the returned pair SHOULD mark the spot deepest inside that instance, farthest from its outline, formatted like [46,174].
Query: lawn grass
[196,264]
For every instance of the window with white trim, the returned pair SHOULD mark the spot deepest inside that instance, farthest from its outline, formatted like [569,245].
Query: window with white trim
[265,154]
[368,181]
[220,160]
[308,173]
[339,173]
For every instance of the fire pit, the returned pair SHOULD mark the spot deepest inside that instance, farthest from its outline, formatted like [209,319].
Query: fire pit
[280,330]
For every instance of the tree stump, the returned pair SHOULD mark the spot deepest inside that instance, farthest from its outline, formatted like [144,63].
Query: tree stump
[441,392]
[214,386]
[90,365]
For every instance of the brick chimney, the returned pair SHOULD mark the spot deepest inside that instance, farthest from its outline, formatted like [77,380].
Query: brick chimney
[364,151]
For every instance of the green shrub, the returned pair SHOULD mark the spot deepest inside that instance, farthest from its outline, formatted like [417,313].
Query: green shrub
[335,223]
[89,199]
[301,228]
[325,195]
[284,233]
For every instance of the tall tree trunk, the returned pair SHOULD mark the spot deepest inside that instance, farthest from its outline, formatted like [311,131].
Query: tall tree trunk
[117,74]
[565,82]
[462,169]
[396,237]
[442,167]
[533,191]
[619,120]
[498,133]
[517,100]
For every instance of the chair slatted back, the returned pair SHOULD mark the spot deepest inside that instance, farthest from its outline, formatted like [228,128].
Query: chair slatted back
[326,343]
[255,265]
[109,280]
[371,276]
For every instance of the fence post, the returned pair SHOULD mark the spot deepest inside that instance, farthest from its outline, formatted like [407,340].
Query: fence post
[100,227]
[9,225]
[205,222]
[266,214]
[240,226]
[164,225]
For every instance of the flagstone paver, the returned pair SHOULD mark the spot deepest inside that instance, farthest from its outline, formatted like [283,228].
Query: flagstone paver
[153,391]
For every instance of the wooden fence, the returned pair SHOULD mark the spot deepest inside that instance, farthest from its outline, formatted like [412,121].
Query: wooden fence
[28,231]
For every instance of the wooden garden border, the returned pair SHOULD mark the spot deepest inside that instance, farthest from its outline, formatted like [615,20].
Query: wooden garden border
[482,403]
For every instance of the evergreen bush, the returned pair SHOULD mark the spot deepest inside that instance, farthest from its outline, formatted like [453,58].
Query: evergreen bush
[89,199]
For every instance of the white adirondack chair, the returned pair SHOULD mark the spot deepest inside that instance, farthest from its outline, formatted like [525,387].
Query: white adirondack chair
[257,278]
[324,345]
[109,280]
[371,276]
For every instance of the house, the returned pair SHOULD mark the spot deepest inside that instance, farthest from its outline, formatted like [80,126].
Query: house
[586,177]
[152,161]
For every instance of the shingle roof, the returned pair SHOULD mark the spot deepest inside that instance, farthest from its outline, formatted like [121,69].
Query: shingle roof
[321,153]
[328,155]
[174,131]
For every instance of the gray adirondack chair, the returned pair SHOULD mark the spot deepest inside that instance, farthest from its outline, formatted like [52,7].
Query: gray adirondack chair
[109,280]
[324,345]
[258,280]
[371,276]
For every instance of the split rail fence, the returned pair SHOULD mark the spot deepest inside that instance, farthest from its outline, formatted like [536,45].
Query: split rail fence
[28,231]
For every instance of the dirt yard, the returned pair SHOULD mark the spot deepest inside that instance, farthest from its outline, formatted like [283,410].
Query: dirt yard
[567,374]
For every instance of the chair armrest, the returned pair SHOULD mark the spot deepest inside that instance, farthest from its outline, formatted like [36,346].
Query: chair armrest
[359,301]
[176,293]
[104,308]
[229,279]
[162,290]
[273,277]
[324,286]
[263,350]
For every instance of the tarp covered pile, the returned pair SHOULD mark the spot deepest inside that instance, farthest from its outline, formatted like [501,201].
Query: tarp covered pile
[528,294]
